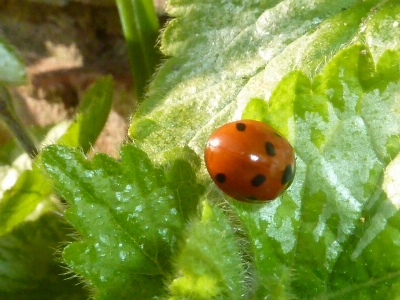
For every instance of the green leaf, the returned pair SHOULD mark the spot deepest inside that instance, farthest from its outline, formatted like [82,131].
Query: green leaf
[224,54]
[28,265]
[324,238]
[12,69]
[210,269]
[326,75]
[328,233]
[141,30]
[14,125]
[32,186]
[21,200]
[91,117]
[130,214]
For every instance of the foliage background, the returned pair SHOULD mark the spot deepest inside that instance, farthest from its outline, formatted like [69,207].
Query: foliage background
[152,224]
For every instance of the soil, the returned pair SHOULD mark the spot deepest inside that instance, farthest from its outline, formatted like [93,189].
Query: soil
[66,45]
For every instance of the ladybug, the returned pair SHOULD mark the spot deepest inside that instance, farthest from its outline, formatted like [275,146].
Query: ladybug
[250,161]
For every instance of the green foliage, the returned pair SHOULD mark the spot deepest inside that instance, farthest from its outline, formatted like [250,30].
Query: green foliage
[10,119]
[32,187]
[12,69]
[328,237]
[210,263]
[91,117]
[29,267]
[29,239]
[218,63]
[140,26]
[130,214]
[324,73]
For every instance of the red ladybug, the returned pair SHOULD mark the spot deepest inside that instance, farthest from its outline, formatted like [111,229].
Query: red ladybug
[250,161]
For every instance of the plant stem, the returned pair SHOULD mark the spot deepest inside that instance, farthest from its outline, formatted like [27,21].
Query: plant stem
[140,26]
[14,124]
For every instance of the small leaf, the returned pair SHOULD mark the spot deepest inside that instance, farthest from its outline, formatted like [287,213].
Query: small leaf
[32,187]
[210,264]
[21,200]
[129,213]
[12,69]
[92,115]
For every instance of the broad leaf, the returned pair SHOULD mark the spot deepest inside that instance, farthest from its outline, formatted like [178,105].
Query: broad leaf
[130,214]
[226,53]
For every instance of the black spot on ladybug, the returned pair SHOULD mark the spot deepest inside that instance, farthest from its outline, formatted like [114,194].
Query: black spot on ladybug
[252,198]
[258,180]
[293,173]
[240,126]
[277,134]
[270,149]
[288,175]
[221,178]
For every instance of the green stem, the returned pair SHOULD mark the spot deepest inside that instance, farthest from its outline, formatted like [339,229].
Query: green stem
[10,119]
[141,29]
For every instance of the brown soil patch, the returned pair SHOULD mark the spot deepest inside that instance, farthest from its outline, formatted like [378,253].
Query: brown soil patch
[66,46]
